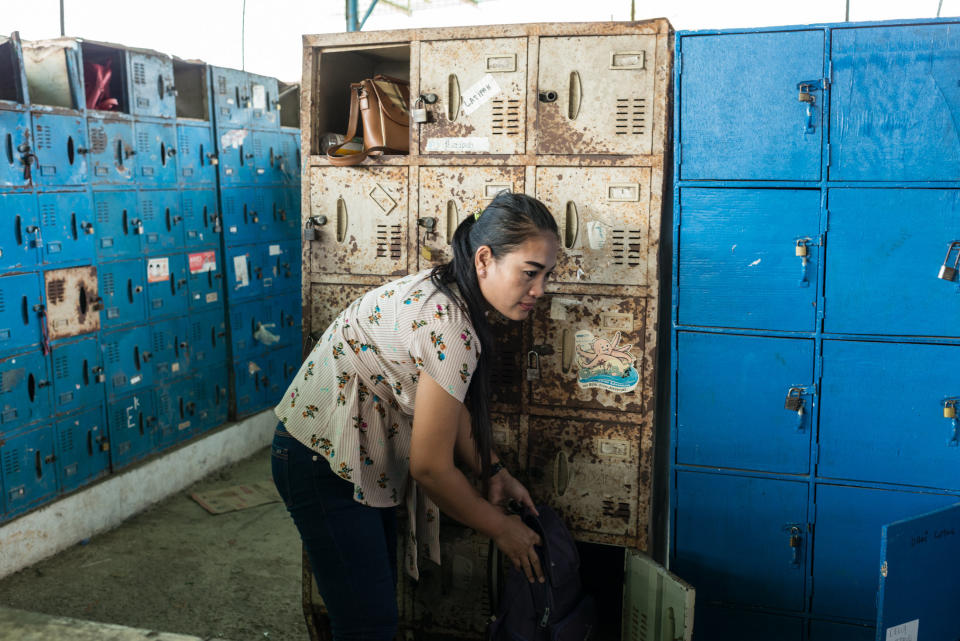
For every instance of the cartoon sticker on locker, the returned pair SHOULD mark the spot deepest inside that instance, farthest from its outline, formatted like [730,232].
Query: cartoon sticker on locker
[158,270]
[606,364]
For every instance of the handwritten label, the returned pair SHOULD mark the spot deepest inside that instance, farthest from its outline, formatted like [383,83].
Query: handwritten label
[240,268]
[458,144]
[259,97]
[211,297]
[904,632]
[479,93]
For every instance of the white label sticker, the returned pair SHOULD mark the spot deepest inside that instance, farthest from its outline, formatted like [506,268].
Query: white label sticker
[184,425]
[233,138]
[175,367]
[212,297]
[259,97]
[158,270]
[274,250]
[136,379]
[904,632]
[479,93]
[459,144]
[240,268]
[596,235]
[203,262]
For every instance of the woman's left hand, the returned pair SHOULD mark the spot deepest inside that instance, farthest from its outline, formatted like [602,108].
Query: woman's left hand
[501,487]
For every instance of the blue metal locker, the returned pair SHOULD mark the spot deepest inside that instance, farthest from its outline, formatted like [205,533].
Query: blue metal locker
[20,239]
[169,349]
[186,411]
[284,224]
[201,218]
[127,360]
[153,93]
[293,212]
[719,386]
[17,150]
[738,264]
[231,97]
[909,133]
[739,114]
[829,631]
[713,623]
[29,468]
[24,389]
[245,272]
[290,162]
[167,434]
[245,215]
[205,280]
[113,152]
[132,423]
[251,384]
[883,264]
[78,375]
[211,398]
[255,326]
[207,335]
[846,563]
[756,519]
[123,290]
[167,291]
[119,228]
[237,155]
[196,153]
[162,221]
[67,227]
[20,323]
[264,98]
[283,366]
[290,319]
[282,266]
[268,157]
[61,149]
[83,448]
[156,151]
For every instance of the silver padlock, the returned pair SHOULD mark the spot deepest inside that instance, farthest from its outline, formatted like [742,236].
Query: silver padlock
[419,113]
[946,271]
[533,366]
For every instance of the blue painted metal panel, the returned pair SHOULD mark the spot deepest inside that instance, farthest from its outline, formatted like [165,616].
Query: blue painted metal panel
[78,375]
[207,335]
[288,315]
[20,238]
[24,389]
[156,151]
[132,423]
[126,360]
[739,114]
[67,227]
[290,161]
[238,158]
[167,290]
[284,215]
[16,149]
[169,349]
[205,280]
[281,267]
[123,291]
[83,448]
[211,398]
[113,152]
[268,157]
[264,94]
[714,623]
[29,469]
[883,264]
[119,228]
[899,410]
[61,149]
[244,272]
[167,433]
[903,134]
[162,221]
[251,384]
[20,325]
[919,581]
[196,153]
[283,365]
[201,218]
[732,389]
[151,85]
[186,410]
[847,544]
[738,263]
[292,210]
[245,215]
[231,97]
[253,324]
[723,520]
[829,631]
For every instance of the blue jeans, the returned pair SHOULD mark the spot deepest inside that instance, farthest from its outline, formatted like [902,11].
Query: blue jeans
[352,547]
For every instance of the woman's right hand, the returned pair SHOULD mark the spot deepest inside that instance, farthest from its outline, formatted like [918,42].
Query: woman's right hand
[516,540]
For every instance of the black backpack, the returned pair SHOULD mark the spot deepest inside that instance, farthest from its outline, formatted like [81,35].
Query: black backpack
[556,610]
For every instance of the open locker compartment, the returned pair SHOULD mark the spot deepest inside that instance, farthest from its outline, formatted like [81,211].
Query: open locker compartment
[12,78]
[288,99]
[104,77]
[193,98]
[52,71]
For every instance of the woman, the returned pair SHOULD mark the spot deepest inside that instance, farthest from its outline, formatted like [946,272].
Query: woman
[397,388]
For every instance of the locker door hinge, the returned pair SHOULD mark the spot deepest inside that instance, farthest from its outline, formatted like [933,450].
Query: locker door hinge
[820,315]
[828,154]
[680,62]
[829,79]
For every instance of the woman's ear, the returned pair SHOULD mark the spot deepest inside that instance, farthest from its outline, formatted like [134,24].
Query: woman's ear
[482,259]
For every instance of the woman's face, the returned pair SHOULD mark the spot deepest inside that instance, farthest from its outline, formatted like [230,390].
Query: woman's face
[512,283]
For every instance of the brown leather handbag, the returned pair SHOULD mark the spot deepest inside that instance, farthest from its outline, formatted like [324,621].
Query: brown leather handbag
[383,104]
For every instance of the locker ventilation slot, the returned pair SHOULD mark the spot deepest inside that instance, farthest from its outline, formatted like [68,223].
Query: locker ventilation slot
[389,242]
[3,304]
[98,140]
[103,212]
[143,142]
[61,366]
[616,510]
[146,209]
[631,115]
[158,343]
[639,625]
[44,137]
[139,73]
[56,290]
[11,462]
[506,117]
[107,282]
[184,142]
[111,352]
[187,207]
[626,247]
[48,215]
[66,441]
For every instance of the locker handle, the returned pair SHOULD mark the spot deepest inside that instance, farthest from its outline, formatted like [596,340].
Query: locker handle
[342,219]
[453,97]
[19,230]
[452,218]
[119,155]
[73,225]
[571,227]
[576,95]
[9,148]
[567,350]
[561,473]
[89,443]
[39,465]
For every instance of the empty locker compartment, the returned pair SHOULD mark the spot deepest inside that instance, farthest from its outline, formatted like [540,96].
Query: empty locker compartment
[207,335]
[245,271]
[211,398]
[119,229]
[156,151]
[236,156]
[113,152]
[884,265]
[193,91]
[264,101]
[596,475]
[283,219]
[73,302]
[588,352]
[718,623]
[105,82]
[21,311]
[365,210]
[327,301]
[153,93]
[481,85]
[743,98]
[604,218]
[29,468]
[254,327]
[251,385]
[749,258]
[718,385]
[78,375]
[282,264]
[201,218]
[52,71]
[131,423]
[169,349]
[24,389]
[122,290]
[196,153]
[20,240]
[126,360]
[167,291]
[289,99]
[245,215]
[204,280]
[448,195]
[67,227]
[82,448]
[60,149]
[16,159]
[231,97]
[162,221]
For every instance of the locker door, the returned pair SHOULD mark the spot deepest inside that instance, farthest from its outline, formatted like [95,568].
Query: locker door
[131,422]
[266,161]
[122,287]
[899,410]
[293,211]
[367,213]
[167,292]
[590,472]
[509,440]
[196,153]
[20,239]
[187,412]
[591,352]
[126,360]
[73,302]
[327,301]
[885,250]
[61,149]
[83,448]
[112,156]
[151,83]
[714,623]
[732,388]
[263,101]
[162,221]
[244,271]
[829,631]
[250,376]
[201,220]
[603,216]
[253,327]
[721,520]
[169,349]
[847,543]
[289,319]
[212,397]
[283,224]
[290,157]
[119,228]
[739,95]
[15,141]
[237,156]
[284,365]
[906,134]
[29,469]
[20,322]
[67,227]
[738,264]
[24,389]
[604,94]
[230,96]
[207,335]
[168,421]
[482,90]
[282,266]
[156,151]
[204,281]
[245,215]
[654,599]
[448,195]
[78,376]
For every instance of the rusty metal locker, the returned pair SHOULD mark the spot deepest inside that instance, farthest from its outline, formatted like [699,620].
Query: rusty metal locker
[73,304]
[326,302]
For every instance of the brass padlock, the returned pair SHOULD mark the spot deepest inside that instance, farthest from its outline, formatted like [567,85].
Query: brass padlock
[950,409]
[793,402]
[426,253]
[801,249]
[804,93]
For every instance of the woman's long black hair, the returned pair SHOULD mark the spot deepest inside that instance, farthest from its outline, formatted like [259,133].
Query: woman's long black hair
[505,224]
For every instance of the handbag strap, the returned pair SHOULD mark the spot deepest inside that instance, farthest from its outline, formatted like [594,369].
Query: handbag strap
[352,159]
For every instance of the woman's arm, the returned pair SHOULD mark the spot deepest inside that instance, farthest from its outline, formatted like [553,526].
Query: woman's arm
[466,447]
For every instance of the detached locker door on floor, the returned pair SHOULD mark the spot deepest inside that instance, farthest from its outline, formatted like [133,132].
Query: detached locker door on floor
[739,108]
[657,606]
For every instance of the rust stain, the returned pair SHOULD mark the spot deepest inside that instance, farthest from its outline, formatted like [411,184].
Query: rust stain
[558,136]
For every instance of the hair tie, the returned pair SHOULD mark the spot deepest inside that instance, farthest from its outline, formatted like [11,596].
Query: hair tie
[476,215]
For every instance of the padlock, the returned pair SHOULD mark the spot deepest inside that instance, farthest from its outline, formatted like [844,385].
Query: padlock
[801,249]
[804,93]
[426,253]
[793,402]
[87,228]
[98,375]
[950,409]
[533,365]
[419,113]
[946,271]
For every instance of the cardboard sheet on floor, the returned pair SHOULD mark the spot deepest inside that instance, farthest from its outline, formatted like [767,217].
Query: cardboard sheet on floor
[237,497]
